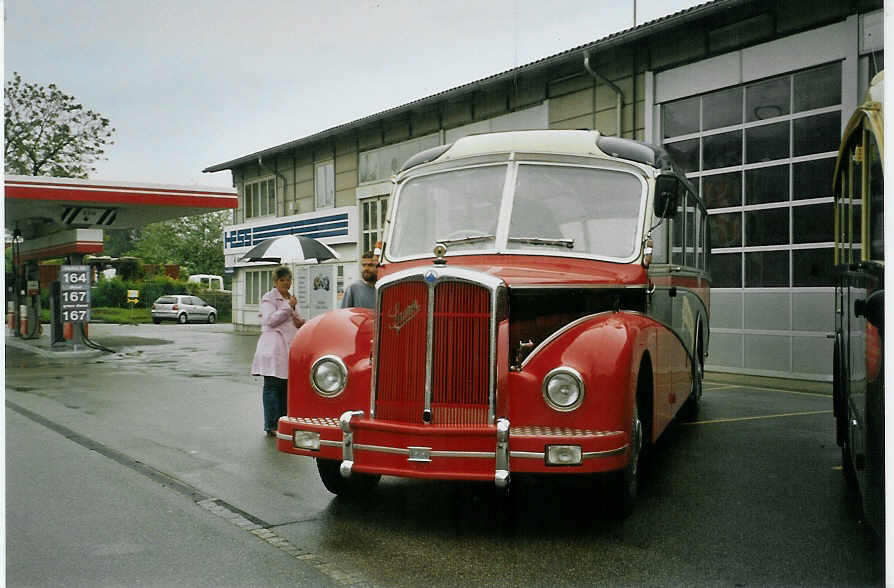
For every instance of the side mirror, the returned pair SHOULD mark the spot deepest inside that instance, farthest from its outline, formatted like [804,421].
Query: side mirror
[667,193]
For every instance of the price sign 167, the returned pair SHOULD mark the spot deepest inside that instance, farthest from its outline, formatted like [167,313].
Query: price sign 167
[75,296]
[74,316]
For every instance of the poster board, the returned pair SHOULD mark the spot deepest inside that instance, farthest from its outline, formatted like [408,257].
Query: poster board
[321,288]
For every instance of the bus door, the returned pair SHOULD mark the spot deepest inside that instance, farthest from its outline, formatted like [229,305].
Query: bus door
[668,276]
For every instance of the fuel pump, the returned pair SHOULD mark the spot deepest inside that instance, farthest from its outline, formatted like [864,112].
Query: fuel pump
[14,303]
[57,334]
[29,312]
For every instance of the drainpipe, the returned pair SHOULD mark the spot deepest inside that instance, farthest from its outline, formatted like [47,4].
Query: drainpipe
[280,176]
[619,95]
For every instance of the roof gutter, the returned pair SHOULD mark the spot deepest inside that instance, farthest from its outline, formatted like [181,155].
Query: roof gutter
[619,95]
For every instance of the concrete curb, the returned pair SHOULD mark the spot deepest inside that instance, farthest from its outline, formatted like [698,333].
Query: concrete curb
[41,346]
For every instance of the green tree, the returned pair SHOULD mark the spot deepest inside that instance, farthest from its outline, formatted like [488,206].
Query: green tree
[193,242]
[117,241]
[49,134]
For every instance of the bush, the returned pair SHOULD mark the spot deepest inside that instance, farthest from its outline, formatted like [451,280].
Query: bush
[109,293]
[222,301]
[157,286]
[113,293]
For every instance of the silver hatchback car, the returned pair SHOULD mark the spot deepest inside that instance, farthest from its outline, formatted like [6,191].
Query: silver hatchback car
[182,308]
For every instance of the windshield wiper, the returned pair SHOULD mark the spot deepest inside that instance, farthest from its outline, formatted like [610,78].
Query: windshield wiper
[569,243]
[472,239]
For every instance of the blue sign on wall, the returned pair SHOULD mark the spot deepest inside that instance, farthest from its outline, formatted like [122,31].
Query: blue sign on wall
[335,224]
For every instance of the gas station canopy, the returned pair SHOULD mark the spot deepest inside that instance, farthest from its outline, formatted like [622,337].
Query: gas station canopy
[59,216]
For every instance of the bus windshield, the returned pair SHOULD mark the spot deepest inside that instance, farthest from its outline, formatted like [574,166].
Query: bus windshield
[556,209]
[581,209]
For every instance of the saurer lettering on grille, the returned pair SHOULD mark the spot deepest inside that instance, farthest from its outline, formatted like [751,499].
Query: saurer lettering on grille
[400,318]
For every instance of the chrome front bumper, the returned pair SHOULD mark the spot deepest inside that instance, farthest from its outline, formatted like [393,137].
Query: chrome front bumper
[502,454]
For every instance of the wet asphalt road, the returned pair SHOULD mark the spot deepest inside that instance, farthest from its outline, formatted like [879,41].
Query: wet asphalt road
[149,467]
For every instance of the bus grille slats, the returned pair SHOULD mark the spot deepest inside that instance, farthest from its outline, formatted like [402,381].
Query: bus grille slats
[461,342]
[402,347]
[460,352]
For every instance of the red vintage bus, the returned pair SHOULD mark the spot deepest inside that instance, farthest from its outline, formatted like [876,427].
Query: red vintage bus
[542,308]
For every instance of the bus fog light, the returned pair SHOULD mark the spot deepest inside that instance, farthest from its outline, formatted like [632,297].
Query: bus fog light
[563,455]
[306,440]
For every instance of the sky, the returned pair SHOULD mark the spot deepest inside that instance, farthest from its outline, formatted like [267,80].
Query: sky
[191,83]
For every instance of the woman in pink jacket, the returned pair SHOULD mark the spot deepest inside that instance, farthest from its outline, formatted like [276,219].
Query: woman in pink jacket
[279,324]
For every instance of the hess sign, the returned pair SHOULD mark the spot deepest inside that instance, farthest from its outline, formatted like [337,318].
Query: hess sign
[75,304]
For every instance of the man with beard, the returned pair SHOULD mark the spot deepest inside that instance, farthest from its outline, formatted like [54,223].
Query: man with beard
[362,293]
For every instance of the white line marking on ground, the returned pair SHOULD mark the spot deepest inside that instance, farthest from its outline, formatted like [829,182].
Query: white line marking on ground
[755,418]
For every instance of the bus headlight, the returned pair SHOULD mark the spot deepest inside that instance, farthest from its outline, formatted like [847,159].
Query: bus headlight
[563,389]
[328,376]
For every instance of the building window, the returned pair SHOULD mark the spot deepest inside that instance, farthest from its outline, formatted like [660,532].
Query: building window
[324,185]
[257,283]
[378,165]
[762,156]
[373,222]
[260,198]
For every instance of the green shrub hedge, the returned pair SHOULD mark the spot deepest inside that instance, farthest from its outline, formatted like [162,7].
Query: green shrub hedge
[112,293]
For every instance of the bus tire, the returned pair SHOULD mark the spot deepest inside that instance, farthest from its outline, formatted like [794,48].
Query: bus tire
[624,484]
[693,404]
[357,486]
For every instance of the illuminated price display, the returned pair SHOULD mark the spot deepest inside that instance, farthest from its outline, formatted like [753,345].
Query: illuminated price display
[75,299]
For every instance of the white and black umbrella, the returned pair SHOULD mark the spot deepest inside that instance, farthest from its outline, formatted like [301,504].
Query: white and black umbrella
[289,249]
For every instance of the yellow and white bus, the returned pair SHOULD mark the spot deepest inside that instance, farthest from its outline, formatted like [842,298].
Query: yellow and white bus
[859,370]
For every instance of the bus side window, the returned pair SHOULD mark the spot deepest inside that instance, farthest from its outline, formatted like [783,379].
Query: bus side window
[702,240]
[876,199]
[855,219]
[659,241]
[676,229]
[692,222]
[841,210]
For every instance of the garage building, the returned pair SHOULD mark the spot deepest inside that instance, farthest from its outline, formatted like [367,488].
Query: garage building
[749,96]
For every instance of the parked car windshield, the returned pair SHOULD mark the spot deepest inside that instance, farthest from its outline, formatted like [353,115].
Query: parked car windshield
[166,300]
[556,208]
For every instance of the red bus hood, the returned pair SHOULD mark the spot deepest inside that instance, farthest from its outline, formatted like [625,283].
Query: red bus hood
[524,270]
